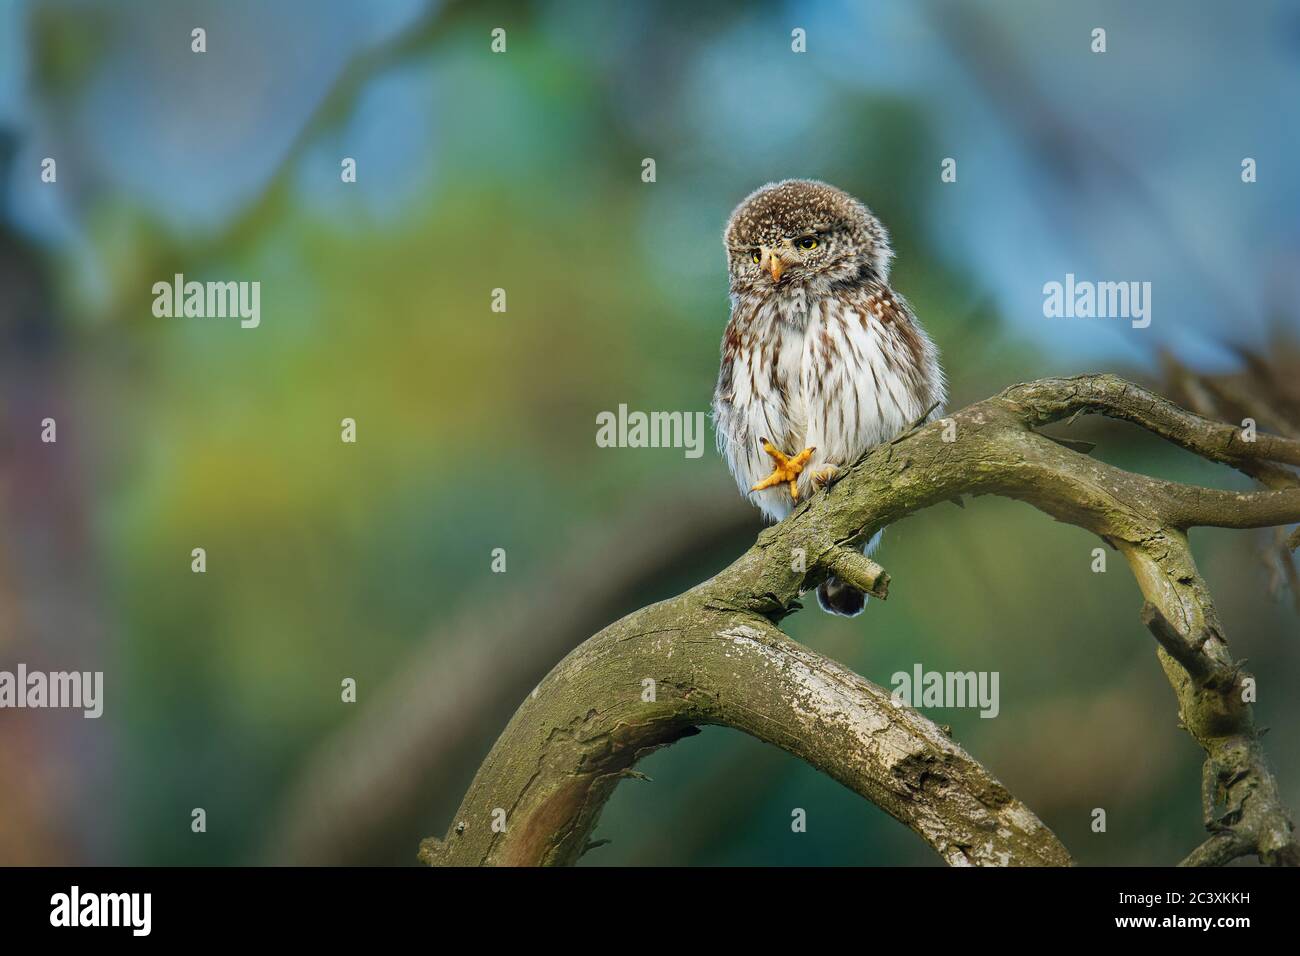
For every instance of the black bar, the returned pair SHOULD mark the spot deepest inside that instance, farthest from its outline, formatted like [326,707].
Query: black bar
[329,906]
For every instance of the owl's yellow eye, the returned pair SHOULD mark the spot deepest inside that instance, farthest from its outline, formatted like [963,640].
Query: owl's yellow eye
[807,242]
[756,257]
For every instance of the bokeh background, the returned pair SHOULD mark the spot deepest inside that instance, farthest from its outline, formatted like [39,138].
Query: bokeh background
[476,429]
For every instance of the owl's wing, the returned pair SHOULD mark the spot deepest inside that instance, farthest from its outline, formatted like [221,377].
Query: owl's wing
[728,423]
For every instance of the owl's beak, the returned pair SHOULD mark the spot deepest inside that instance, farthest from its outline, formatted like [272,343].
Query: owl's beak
[775,266]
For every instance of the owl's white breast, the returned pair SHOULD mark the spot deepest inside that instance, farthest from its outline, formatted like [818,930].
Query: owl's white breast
[830,380]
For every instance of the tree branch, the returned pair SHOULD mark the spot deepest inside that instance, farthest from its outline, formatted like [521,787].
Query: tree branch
[853,567]
[654,677]
[1051,400]
[713,656]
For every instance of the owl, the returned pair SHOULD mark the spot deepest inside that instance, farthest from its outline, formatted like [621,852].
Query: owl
[821,359]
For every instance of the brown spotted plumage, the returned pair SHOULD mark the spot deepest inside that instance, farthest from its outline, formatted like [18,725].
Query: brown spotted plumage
[821,359]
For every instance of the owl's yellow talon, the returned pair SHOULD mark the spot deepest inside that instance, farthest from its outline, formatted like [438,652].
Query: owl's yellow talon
[787,469]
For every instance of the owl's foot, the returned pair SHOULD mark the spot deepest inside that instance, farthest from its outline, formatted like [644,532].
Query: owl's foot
[825,477]
[787,470]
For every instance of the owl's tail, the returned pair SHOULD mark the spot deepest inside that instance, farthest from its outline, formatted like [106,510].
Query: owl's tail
[836,597]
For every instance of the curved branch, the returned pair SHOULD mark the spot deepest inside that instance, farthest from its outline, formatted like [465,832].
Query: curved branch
[1050,400]
[650,679]
[719,660]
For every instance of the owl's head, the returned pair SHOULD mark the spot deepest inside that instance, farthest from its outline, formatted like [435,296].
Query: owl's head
[802,234]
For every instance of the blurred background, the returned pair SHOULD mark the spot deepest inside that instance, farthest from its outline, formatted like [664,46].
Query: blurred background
[476,429]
